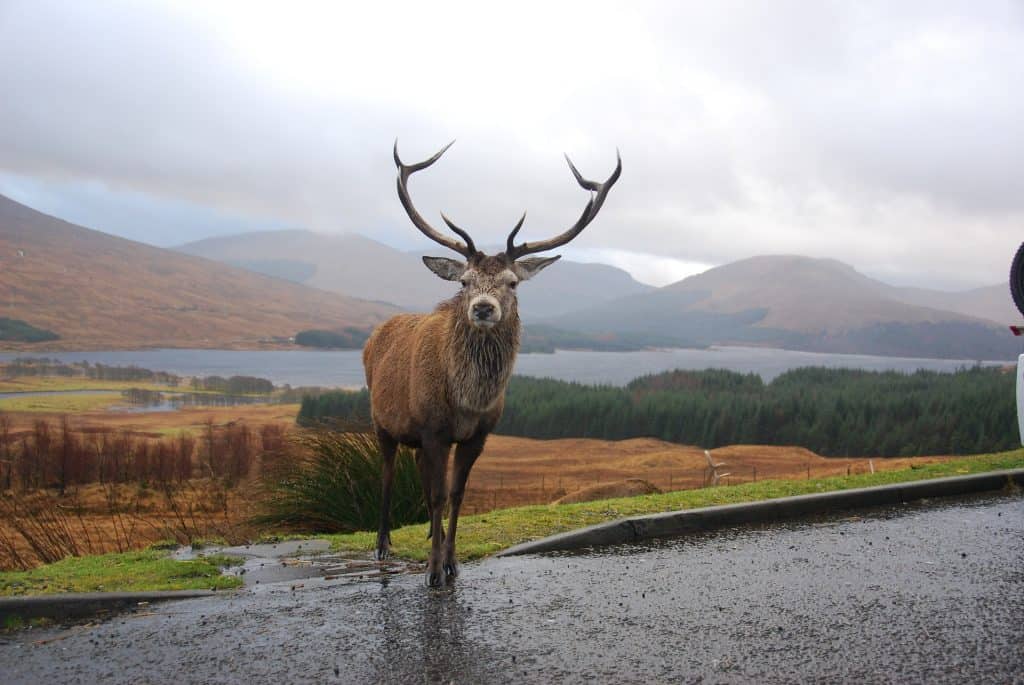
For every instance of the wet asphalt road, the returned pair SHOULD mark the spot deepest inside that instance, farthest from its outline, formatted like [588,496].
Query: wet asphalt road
[929,592]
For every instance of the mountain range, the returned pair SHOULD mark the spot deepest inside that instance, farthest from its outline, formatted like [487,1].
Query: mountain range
[776,300]
[95,290]
[805,303]
[362,267]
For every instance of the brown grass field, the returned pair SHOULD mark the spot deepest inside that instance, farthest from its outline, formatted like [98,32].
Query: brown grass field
[161,423]
[512,471]
[95,519]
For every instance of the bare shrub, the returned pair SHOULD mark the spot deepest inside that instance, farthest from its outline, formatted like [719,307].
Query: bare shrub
[45,524]
[139,489]
[6,453]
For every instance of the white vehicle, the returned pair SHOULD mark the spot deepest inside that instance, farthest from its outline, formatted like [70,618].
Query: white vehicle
[1017,291]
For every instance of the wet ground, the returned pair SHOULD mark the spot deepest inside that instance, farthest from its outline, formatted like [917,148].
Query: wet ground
[300,563]
[926,593]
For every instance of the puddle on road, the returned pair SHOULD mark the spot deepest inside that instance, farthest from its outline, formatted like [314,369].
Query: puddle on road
[300,563]
[322,568]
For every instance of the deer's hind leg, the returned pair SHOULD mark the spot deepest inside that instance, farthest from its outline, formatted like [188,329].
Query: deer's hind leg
[388,449]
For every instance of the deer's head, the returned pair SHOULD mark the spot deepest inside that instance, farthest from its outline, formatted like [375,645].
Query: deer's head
[489,282]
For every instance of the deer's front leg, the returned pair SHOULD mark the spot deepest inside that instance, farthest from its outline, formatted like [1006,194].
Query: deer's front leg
[433,470]
[465,456]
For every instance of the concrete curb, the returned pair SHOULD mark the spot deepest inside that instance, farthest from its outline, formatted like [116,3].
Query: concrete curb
[62,607]
[675,523]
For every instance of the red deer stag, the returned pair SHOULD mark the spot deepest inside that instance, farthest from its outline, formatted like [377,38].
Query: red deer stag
[437,379]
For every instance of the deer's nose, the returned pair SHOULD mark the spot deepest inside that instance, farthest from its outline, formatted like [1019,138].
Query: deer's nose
[483,310]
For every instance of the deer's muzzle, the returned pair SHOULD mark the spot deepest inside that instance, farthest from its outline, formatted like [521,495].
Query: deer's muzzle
[484,311]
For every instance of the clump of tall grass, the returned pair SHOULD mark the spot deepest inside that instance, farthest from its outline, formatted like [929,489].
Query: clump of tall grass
[331,482]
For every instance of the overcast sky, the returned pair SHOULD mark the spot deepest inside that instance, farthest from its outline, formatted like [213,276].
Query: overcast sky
[889,135]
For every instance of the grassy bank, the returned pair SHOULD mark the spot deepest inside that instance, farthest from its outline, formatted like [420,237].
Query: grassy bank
[486,534]
[146,570]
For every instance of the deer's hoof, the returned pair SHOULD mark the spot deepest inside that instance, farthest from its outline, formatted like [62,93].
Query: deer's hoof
[434,579]
[383,547]
[451,569]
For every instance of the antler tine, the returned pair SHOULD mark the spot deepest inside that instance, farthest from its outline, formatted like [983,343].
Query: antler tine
[510,243]
[589,185]
[461,233]
[467,250]
[599,191]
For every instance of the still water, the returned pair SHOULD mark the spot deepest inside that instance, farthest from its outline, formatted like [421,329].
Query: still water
[344,368]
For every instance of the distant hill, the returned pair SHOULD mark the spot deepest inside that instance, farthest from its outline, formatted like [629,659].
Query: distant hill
[805,304]
[94,290]
[361,267]
[991,302]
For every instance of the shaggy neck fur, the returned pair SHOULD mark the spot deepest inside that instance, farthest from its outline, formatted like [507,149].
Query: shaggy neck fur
[480,361]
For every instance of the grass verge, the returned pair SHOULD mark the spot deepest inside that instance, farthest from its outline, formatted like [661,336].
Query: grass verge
[146,570]
[485,534]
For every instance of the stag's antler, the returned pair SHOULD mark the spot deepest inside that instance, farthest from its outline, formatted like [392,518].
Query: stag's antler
[467,250]
[589,212]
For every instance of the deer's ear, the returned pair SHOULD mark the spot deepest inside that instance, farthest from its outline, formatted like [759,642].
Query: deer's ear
[448,269]
[531,266]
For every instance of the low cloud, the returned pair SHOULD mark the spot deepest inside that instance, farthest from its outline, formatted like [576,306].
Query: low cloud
[883,135]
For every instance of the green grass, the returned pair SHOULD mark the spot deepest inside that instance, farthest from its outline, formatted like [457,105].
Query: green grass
[55,383]
[149,569]
[485,534]
[61,403]
[13,623]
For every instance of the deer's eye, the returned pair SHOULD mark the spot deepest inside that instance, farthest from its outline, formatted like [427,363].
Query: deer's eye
[464,282]
[512,284]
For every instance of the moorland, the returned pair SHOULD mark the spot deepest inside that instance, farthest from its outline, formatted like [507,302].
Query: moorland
[100,478]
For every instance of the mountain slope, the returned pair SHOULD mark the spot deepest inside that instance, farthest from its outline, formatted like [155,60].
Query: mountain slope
[348,264]
[991,302]
[798,303]
[97,290]
[362,267]
[804,294]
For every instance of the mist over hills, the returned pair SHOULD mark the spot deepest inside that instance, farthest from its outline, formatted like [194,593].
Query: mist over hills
[98,291]
[361,267]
